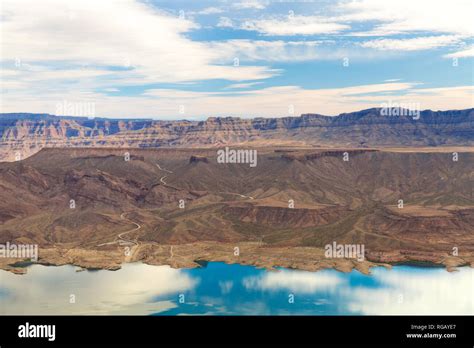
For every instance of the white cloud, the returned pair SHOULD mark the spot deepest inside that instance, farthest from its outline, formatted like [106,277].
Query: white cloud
[413,44]
[381,18]
[250,4]
[462,54]
[210,10]
[408,16]
[294,25]
[262,50]
[386,17]
[163,93]
[290,51]
[225,22]
[243,85]
[68,50]
[147,44]
[265,102]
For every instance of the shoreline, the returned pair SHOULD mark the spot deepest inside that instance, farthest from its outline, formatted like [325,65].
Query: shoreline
[194,255]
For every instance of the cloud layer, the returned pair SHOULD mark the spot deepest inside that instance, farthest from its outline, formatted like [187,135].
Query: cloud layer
[115,53]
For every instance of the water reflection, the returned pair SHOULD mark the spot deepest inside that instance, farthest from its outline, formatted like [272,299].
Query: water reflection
[48,290]
[416,290]
[220,289]
[295,281]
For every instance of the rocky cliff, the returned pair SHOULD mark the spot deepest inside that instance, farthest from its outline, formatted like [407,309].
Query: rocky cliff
[22,135]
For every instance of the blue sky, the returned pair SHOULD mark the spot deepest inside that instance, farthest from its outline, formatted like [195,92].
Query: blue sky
[247,58]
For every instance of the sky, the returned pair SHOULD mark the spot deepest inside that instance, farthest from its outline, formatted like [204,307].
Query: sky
[184,59]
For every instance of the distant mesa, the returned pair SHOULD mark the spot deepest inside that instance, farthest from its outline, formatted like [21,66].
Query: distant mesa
[23,135]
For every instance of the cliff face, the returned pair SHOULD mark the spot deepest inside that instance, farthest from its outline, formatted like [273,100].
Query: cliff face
[22,135]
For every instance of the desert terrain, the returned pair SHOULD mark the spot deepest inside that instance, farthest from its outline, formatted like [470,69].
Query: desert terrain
[181,207]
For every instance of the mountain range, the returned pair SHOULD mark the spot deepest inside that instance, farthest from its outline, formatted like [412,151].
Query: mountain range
[99,192]
[23,134]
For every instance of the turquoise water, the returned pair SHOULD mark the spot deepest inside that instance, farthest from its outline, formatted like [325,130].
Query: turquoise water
[221,289]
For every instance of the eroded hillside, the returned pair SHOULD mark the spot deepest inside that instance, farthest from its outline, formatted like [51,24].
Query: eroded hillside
[178,206]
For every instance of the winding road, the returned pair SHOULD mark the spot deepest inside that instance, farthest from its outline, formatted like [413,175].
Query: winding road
[120,237]
[129,254]
[165,170]
[238,194]
[162,180]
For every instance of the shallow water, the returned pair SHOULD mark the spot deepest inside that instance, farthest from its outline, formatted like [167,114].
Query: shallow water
[222,289]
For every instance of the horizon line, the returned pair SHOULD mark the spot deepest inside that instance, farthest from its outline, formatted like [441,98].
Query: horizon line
[131,118]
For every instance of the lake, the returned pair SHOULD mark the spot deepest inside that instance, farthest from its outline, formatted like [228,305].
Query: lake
[221,289]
